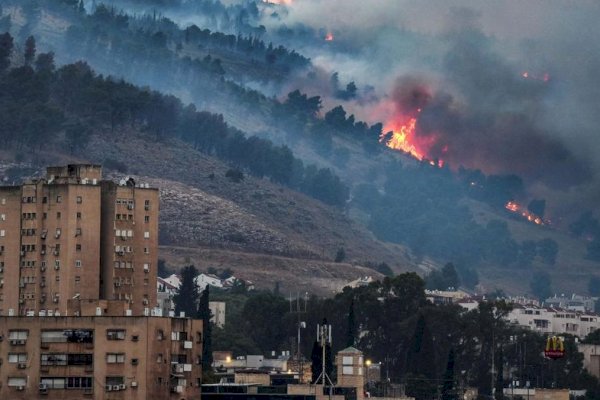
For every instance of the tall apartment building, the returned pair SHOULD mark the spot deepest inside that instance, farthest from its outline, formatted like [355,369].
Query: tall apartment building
[73,235]
[100,357]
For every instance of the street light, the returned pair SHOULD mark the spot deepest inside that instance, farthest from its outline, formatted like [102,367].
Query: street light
[368,365]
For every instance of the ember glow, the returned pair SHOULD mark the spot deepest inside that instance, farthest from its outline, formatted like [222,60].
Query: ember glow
[529,216]
[544,77]
[329,37]
[282,2]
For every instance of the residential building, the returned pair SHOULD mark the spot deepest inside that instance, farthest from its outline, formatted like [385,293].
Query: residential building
[574,302]
[554,321]
[73,235]
[217,309]
[591,358]
[100,357]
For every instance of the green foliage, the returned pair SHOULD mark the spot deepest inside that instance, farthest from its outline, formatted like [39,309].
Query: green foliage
[448,390]
[6,47]
[444,279]
[234,175]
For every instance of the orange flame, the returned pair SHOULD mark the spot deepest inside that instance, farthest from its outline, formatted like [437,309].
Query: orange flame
[529,216]
[329,37]
[404,139]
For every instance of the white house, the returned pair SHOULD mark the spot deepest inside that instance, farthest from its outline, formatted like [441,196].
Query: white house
[204,280]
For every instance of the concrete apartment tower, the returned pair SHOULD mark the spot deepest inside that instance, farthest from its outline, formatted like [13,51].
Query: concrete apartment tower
[72,235]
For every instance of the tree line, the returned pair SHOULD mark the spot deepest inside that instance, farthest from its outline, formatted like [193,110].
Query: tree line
[39,102]
[433,350]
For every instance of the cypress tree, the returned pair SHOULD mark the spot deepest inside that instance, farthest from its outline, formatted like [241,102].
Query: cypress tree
[204,314]
[351,331]
[448,392]
[187,296]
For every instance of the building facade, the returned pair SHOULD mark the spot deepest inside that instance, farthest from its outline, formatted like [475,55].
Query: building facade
[73,235]
[100,357]
[554,321]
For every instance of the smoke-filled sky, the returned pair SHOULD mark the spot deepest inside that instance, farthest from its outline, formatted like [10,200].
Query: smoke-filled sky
[511,86]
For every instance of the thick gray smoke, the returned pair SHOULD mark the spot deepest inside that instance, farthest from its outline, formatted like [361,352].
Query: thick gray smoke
[510,86]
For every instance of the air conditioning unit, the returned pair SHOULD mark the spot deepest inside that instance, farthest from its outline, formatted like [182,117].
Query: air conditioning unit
[22,366]
[57,235]
[14,342]
[146,268]
[22,253]
[43,236]
[42,284]
[145,301]
[56,252]
[43,252]
[116,387]
[134,384]
[122,386]
[43,386]
[108,388]
[57,267]
[130,206]
[55,299]
[22,284]
[21,301]
[42,269]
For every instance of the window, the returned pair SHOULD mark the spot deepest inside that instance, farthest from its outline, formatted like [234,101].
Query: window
[59,199]
[78,215]
[77,231]
[58,215]
[44,199]
[58,232]
[3,217]
[115,358]
[2,233]
[45,215]
[77,279]
[114,380]
[78,247]
[115,334]
[49,359]
[146,218]
[15,358]
[18,335]
[83,382]
[79,199]
[3,201]
[17,381]
[78,263]
[159,358]
[146,250]
[146,235]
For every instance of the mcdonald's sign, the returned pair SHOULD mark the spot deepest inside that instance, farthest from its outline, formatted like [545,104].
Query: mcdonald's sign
[555,347]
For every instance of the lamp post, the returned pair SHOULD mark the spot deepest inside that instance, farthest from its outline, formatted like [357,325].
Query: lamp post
[367,366]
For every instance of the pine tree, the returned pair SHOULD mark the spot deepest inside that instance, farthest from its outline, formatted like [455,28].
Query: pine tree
[29,50]
[6,47]
[187,296]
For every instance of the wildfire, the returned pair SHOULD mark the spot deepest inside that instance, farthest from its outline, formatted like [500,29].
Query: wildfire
[544,78]
[404,138]
[329,37]
[282,2]
[518,209]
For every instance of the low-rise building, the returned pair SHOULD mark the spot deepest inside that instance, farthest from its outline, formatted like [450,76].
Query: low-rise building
[554,321]
[573,303]
[217,309]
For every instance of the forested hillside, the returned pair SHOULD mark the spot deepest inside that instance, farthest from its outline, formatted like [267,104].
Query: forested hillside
[328,154]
